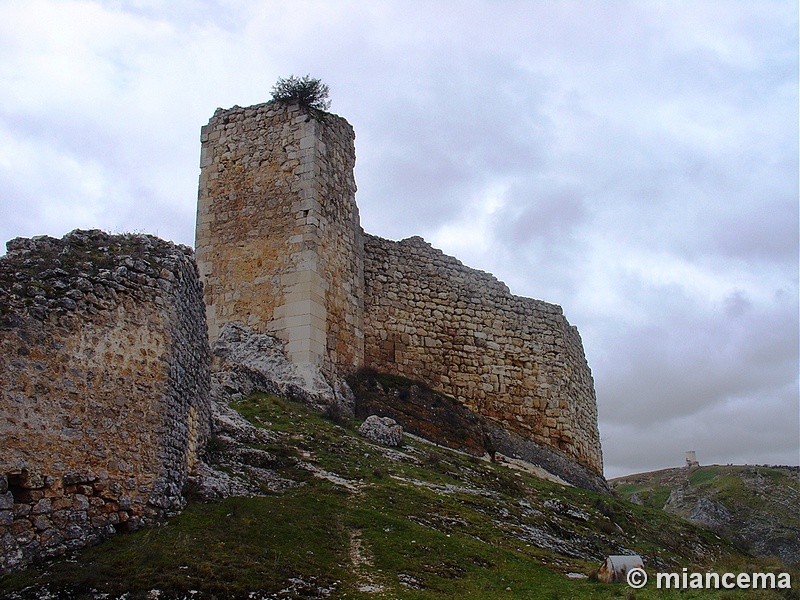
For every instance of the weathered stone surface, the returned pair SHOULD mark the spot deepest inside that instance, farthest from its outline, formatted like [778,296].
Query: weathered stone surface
[278,237]
[280,248]
[232,467]
[104,386]
[514,360]
[383,430]
[420,410]
[515,445]
[445,421]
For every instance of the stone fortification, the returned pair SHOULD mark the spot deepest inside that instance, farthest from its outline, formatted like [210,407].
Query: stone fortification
[278,236]
[514,360]
[280,249]
[104,383]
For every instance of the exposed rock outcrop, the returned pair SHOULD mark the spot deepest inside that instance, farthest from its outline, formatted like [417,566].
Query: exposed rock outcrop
[383,430]
[247,363]
[753,507]
[239,349]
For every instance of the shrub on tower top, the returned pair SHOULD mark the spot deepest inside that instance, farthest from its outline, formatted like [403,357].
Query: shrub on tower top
[306,91]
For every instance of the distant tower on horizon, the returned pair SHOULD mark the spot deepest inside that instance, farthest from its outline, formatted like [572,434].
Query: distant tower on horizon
[691,459]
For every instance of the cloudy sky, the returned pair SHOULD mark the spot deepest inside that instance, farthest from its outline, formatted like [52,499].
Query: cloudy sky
[634,161]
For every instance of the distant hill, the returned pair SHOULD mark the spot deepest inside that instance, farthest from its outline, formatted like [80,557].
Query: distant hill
[755,507]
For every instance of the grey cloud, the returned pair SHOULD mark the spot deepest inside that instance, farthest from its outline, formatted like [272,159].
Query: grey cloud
[549,215]
[690,361]
[755,432]
[432,157]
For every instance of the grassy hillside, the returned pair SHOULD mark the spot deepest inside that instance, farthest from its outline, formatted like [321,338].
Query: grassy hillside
[341,517]
[757,508]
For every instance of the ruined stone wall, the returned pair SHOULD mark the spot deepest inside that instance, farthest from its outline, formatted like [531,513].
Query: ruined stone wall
[278,238]
[104,383]
[280,248]
[515,360]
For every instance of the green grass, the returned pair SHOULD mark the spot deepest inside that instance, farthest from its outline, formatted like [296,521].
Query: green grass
[703,475]
[232,547]
[652,496]
[405,540]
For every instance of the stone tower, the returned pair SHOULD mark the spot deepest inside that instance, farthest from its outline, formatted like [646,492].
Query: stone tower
[278,242]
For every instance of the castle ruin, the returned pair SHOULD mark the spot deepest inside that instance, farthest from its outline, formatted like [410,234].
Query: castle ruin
[280,248]
[104,388]
[105,365]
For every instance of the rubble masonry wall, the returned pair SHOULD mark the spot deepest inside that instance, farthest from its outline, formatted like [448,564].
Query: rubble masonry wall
[104,388]
[515,360]
[280,248]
